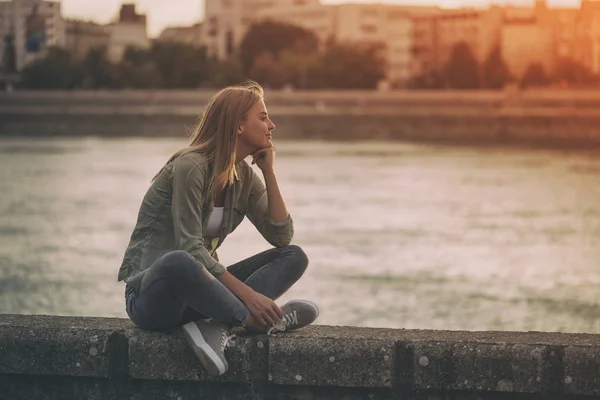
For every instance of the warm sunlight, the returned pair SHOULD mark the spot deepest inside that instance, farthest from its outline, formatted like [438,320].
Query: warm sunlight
[185,12]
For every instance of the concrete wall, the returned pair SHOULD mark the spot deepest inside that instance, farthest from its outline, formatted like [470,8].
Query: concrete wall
[45,357]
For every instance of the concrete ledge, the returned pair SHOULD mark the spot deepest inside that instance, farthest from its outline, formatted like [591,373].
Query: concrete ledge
[101,358]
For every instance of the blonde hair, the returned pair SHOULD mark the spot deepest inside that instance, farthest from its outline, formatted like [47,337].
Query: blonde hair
[216,133]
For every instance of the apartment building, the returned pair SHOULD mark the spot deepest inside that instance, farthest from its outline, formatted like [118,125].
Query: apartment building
[390,26]
[81,36]
[129,30]
[227,21]
[583,36]
[34,26]
[192,35]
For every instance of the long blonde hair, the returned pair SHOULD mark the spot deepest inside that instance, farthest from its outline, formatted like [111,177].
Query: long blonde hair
[216,133]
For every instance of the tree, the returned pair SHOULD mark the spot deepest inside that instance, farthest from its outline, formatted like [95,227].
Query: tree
[572,72]
[298,62]
[57,70]
[99,71]
[535,75]
[428,80]
[269,71]
[273,37]
[462,71]
[9,62]
[495,71]
[181,65]
[138,70]
[348,66]
[226,72]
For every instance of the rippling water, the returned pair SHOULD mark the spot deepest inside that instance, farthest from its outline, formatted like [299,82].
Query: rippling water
[398,235]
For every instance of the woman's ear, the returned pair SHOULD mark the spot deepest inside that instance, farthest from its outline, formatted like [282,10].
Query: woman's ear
[240,129]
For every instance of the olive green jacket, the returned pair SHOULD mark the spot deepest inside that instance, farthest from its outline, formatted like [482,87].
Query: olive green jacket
[178,204]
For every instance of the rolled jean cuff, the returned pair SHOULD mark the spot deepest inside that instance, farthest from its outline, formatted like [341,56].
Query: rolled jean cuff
[240,319]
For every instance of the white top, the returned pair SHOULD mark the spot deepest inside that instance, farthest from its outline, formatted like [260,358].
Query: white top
[213,226]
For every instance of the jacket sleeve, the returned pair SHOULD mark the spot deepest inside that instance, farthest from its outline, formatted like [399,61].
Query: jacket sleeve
[186,210]
[277,234]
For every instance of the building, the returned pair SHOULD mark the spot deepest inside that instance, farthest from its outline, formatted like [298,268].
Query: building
[390,26]
[192,35]
[34,25]
[418,41]
[129,30]
[584,47]
[311,15]
[226,23]
[82,36]
[525,42]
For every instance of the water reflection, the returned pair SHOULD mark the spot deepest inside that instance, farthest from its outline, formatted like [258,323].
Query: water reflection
[414,236]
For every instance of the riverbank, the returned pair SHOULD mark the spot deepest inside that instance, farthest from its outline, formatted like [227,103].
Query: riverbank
[543,118]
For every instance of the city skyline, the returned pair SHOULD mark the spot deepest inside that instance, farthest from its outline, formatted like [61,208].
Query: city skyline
[162,14]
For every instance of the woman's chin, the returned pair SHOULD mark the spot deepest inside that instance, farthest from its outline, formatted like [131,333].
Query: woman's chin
[266,145]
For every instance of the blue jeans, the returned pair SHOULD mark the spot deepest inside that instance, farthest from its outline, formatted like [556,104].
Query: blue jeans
[177,289]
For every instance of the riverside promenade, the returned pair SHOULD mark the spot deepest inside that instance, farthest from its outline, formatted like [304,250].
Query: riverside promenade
[539,118]
[45,357]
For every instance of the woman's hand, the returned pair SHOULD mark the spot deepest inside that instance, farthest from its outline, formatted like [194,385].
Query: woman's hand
[264,159]
[263,308]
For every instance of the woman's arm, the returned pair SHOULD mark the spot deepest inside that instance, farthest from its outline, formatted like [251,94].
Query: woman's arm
[277,210]
[265,310]
[266,207]
[265,160]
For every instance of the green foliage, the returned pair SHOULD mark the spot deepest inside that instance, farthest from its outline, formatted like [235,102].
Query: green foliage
[180,65]
[462,70]
[299,62]
[269,70]
[137,70]
[274,54]
[431,80]
[56,71]
[495,71]
[572,72]
[273,37]
[535,75]
[99,72]
[225,73]
[9,59]
[345,66]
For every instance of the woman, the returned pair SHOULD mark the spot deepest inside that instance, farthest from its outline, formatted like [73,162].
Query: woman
[173,275]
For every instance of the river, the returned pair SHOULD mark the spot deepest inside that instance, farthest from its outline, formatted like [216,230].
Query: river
[398,235]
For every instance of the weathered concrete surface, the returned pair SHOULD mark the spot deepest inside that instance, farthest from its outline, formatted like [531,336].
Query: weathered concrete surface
[331,362]
[99,358]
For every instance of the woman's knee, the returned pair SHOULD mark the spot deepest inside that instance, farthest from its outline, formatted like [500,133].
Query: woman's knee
[181,262]
[299,257]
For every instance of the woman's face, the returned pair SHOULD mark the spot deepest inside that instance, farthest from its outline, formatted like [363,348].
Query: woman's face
[255,129]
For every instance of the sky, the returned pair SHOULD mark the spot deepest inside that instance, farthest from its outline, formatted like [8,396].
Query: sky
[163,13]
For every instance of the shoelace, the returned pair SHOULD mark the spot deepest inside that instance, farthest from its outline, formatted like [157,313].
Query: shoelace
[287,320]
[227,340]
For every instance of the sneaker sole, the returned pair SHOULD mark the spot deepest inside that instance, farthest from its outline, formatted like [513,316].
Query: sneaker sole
[208,357]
